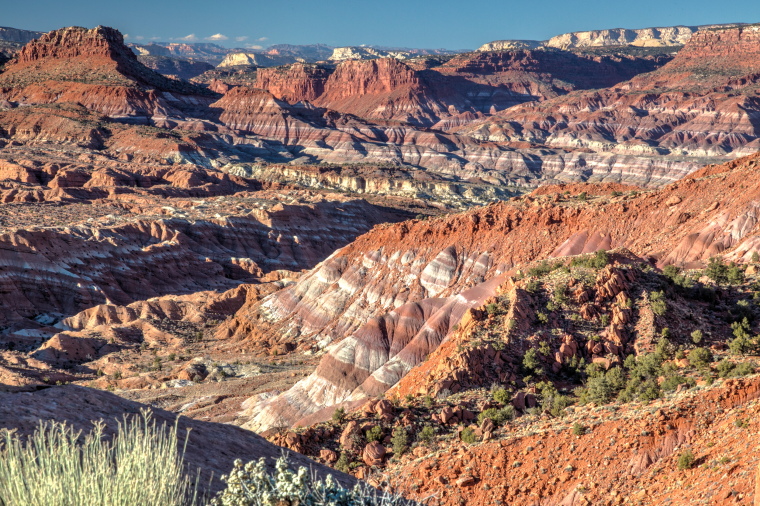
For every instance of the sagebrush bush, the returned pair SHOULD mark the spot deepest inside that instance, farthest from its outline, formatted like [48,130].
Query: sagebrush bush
[595,261]
[686,460]
[141,465]
[468,436]
[497,416]
[501,395]
[700,358]
[427,434]
[400,441]
[251,485]
[657,303]
[374,434]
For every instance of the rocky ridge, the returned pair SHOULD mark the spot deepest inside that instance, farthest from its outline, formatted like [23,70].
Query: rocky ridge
[246,125]
[711,81]
[386,275]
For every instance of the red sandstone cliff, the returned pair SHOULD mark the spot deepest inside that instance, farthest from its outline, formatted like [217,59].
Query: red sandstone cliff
[94,68]
[703,103]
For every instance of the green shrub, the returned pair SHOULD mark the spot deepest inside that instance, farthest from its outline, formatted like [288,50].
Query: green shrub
[343,464]
[400,441]
[735,274]
[560,293]
[701,358]
[718,271]
[596,261]
[551,400]
[601,387]
[697,336]
[578,429]
[374,434]
[643,372]
[755,258]
[142,464]
[686,460]
[501,395]
[339,415]
[468,435]
[672,382]
[671,271]
[542,318]
[657,303]
[543,268]
[427,401]
[583,196]
[427,434]
[743,343]
[727,369]
[252,485]
[492,308]
[531,361]
[745,368]
[499,416]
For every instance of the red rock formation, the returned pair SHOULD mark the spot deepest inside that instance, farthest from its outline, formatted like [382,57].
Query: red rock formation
[246,125]
[474,83]
[633,454]
[412,295]
[93,68]
[702,103]
[68,270]
[294,83]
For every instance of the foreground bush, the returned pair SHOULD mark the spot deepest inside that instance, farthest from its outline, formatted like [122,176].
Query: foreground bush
[252,485]
[56,466]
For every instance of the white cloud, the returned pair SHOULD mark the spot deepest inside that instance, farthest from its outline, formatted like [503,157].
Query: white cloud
[262,39]
[254,46]
[188,38]
[217,36]
[241,39]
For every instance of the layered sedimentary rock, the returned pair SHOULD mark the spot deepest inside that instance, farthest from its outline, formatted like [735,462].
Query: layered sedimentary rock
[371,53]
[650,37]
[386,277]
[206,52]
[18,36]
[510,45]
[469,84]
[294,83]
[255,59]
[95,69]
[703,103]
[64,271]
[379,111]
[176,68]
[664,36]
[397,181]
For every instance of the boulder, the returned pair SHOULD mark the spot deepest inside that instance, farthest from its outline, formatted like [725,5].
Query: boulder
[373,454]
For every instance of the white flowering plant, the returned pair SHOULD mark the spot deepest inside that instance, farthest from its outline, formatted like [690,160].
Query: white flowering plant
[251,484]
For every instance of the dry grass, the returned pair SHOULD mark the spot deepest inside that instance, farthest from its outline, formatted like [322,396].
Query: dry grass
[141,465]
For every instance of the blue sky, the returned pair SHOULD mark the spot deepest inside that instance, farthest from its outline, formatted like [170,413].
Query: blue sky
[411,23]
